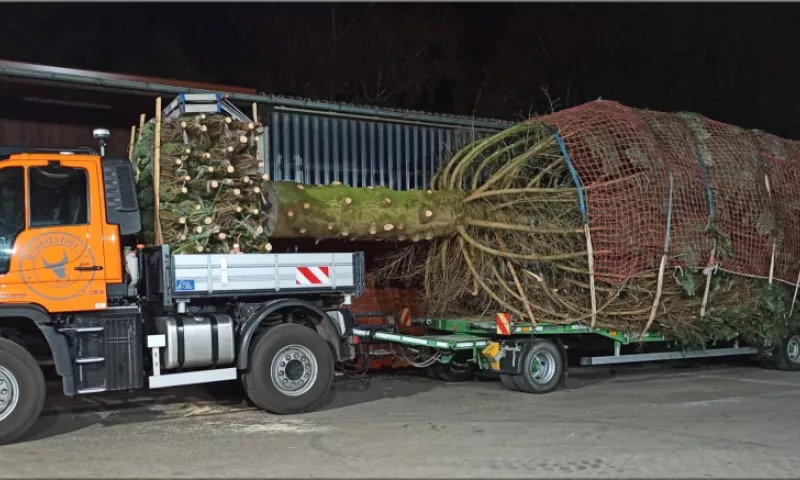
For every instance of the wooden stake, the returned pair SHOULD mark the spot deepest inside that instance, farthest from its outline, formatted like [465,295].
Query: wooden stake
[659,289]
[774,240]
[132,142]
[709,271]
[592,290]
[794,298]
[142,119]
[159,239]
[517,283]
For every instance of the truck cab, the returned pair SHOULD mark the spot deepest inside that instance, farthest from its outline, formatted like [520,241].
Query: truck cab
[61,243]
[77,290]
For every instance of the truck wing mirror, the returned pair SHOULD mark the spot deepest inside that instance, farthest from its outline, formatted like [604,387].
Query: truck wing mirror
[122,203]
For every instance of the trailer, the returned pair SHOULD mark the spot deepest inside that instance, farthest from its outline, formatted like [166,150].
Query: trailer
[534,358]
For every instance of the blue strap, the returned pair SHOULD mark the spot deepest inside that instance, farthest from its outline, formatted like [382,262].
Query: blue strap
[572,171]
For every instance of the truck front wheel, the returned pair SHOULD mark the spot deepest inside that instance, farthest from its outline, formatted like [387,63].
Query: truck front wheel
[291,369]
[22,391]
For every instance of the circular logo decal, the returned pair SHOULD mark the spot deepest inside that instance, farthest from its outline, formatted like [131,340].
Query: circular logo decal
[47,265]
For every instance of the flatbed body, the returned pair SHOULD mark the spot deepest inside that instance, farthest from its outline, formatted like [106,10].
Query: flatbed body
[184,277]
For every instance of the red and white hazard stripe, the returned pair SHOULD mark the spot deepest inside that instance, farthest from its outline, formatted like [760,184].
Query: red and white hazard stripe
[405,317]
[313,275]
[503,321]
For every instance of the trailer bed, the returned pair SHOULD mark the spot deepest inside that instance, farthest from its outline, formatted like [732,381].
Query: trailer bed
[460,334]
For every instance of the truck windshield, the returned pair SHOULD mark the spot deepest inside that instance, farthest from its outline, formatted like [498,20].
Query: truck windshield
[12,212]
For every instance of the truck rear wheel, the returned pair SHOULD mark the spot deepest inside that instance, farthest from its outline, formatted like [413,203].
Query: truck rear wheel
[291,369]
[22,391]
[542,368]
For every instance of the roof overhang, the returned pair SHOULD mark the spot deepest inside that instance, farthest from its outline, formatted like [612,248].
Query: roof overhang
[88,80]
[104,81]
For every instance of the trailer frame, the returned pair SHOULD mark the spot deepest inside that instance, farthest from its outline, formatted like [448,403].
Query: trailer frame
[503,346]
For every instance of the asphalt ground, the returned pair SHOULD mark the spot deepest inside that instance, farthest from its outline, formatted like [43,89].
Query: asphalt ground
[713,420]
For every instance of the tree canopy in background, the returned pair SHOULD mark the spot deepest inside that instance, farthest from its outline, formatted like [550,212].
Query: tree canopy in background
[732,62]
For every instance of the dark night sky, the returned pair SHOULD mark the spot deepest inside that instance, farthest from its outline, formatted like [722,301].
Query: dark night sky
[735,63]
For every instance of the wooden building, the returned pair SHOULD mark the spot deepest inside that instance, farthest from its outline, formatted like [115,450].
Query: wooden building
[53,107]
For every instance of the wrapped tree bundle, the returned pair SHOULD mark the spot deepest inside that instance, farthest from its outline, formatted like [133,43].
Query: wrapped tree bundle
[210,192]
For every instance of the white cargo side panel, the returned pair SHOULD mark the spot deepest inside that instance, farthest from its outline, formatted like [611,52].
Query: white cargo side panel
[220,273]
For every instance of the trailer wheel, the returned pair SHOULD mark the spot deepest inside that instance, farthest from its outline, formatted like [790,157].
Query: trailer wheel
[542,370]
[508,382]
[787,355]
[291,369]
[450,372]
[22,391]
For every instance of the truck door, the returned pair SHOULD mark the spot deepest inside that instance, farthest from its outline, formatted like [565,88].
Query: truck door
[57,258]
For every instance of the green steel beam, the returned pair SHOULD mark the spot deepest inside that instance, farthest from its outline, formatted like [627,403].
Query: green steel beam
[484,328]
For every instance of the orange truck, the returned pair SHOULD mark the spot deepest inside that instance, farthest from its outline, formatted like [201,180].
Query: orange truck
[77,290]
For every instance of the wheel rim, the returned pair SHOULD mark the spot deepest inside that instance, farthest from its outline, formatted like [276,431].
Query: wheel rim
[9,393]
[294,370]
[793,349]
[543,367]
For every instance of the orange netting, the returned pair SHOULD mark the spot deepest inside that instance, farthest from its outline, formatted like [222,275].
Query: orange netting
[711,193]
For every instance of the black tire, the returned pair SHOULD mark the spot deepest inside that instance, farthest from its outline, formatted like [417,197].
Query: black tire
[258,382]
[19,366]
[452,373]
[787,355]
[540,351]
[432,373]
[508,382]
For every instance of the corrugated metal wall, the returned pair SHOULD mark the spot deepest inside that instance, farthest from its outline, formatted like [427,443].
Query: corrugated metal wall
[320,148]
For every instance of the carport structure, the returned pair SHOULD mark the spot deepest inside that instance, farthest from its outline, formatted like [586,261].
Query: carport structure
[305,140]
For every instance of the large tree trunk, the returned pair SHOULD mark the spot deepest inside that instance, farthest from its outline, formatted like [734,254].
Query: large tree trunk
[337,211]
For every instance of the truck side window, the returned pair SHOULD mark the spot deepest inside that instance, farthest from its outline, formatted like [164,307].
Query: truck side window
[59,196]
[12,212]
